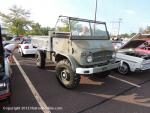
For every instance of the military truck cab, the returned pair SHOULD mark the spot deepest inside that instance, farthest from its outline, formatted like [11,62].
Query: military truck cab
[78,46]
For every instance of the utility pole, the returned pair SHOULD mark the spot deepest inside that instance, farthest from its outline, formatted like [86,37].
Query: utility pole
[117,24]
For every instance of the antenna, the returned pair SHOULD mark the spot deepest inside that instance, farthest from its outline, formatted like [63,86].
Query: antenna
[95,14]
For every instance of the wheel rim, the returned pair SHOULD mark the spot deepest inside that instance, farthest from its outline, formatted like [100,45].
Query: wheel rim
[65,76]
[123,69]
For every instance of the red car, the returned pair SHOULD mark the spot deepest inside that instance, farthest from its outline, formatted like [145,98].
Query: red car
[145,47]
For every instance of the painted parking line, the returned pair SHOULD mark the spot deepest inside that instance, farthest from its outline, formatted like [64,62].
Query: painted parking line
[125,81]
[38,98]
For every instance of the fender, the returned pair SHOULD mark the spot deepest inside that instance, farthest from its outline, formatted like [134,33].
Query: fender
[73,62]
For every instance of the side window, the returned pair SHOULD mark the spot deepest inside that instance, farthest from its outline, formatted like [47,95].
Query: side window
[62,25]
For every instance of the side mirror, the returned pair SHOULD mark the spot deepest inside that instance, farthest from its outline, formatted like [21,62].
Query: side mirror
[51,33]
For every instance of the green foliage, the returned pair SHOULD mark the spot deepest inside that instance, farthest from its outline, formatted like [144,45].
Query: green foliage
[17,20]
[125,35]
[17,23]
[38,30]
[132,34]
[63,29]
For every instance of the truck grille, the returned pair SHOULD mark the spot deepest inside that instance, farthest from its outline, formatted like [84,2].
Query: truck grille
[102,56]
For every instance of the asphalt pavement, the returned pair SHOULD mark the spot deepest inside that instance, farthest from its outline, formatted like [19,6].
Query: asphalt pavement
[114,94]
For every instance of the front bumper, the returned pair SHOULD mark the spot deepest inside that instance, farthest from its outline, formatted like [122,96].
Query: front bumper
[97,69]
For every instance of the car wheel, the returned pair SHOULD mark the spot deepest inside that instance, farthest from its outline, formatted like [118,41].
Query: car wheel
[66,76]
[124,69]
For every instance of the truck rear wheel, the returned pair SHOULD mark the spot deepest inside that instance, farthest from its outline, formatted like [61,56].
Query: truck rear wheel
[66,76]
[124,69]
[40,59]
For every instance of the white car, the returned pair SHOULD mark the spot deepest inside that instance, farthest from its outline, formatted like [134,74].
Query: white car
[26,48]
[117,44]
[132,60]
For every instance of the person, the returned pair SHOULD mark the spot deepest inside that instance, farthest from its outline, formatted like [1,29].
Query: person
[85,31]
[9,50]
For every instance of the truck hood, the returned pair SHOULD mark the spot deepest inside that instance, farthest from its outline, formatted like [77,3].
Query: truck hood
[136,41]
[93,44]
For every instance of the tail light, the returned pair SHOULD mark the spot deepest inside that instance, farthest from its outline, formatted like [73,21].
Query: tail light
[26,47]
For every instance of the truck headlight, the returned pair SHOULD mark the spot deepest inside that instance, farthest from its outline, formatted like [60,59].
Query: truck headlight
[89,59]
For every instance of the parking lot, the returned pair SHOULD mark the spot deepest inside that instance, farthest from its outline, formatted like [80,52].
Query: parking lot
[114,94]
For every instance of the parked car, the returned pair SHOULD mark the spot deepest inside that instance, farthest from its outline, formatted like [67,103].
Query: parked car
[144,48]
[131,59]
[117,44]
[5,76]
[26,48]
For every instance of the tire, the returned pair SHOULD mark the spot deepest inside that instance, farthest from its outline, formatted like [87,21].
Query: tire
[66,76]
[102,74]
[124,69]
[40,59]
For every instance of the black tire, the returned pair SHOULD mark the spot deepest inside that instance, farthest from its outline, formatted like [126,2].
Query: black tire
[66,76]
[102,74]
[124,69]
[40,59]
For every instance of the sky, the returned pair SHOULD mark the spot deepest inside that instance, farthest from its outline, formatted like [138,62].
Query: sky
[133,13]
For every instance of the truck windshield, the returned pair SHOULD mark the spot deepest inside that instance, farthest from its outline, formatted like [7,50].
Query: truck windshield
[88,30]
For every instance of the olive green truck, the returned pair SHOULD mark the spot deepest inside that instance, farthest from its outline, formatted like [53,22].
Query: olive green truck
[78,47]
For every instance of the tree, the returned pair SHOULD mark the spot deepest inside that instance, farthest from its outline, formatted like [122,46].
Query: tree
[132,34]
[17,21]
[38,30]
[125,35]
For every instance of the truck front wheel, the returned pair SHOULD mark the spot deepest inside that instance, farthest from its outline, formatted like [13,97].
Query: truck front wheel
[124,69]
[66,76]
[40,59]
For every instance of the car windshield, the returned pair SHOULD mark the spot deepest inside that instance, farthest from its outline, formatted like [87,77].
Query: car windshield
[26,41]
[88,29]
